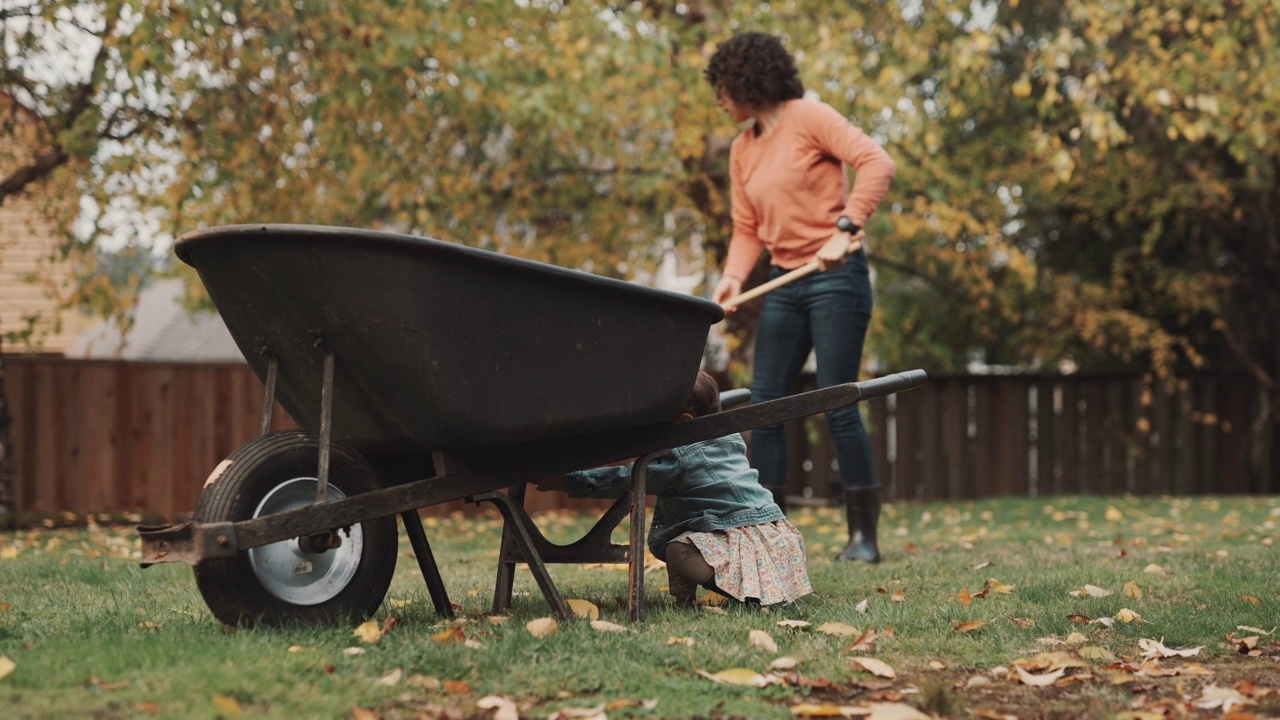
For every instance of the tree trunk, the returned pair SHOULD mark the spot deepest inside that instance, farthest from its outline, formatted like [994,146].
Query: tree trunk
[8,512]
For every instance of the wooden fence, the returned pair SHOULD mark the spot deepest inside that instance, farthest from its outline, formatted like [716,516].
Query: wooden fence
[102,436]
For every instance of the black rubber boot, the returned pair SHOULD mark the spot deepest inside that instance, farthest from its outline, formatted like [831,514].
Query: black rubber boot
[686,570]
[780,497]
[862,508]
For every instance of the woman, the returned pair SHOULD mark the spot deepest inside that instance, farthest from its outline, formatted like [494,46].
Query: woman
[789,190]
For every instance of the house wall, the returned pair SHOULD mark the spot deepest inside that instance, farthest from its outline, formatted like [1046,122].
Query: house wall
[30,282]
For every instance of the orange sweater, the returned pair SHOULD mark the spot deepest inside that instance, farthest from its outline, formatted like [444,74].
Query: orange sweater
[789,186]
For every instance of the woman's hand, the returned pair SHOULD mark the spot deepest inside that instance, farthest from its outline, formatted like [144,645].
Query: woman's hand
[725,290]
[836,249]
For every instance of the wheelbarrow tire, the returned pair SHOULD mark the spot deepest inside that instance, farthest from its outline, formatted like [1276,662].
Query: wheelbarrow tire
[282,584]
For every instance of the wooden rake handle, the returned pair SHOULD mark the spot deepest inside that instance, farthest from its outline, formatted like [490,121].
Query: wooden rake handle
[803,271]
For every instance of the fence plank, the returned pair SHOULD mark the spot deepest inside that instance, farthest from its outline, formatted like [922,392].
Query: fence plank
[879,430]
[954,452]
[1067,442]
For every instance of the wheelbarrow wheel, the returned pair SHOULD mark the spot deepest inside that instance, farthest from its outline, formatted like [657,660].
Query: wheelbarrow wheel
[293,582]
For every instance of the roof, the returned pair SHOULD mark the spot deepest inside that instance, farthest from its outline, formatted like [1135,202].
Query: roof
[163,331]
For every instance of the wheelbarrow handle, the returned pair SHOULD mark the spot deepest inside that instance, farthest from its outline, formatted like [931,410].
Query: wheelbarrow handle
[890,384]
[803,271]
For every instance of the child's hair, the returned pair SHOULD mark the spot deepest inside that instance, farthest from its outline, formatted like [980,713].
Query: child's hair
[706,396]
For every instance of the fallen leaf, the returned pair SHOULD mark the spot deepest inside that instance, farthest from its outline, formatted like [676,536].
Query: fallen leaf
[1244,645]
[793,623]
[1153,569]
[227,705]
[784,663]
[584,609]
[1251,600]
[148,625]
[147,707]
[1091,591]
[1251,629]
[861,607]
[1022,623]
[456,687]
[1156,649]
[505,709]
[833,627]
[473,644]
[606,626]
[1076,638]
[1080,619]
[865,643]
[426,682]
[823,710]
[1214,696]
[1131,590]
[7,666]
[879,668]
[1097,654]
[762,639]
[353,651]
[1112,514]
[449,636]
[1125,615]
[898,596]
[397,604]
[712,598]
[676,640]
[937,665]
[390,679]
[542,627]
[739,676]
[498,619]
[981,565]
[369,631]
[895,711]
[964,597]
[360,713]
[996,586]
[4,607]
[298,648]
[969,625]
[1044,680]
[108,686]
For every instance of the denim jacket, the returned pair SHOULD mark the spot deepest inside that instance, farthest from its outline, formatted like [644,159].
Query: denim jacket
[700,487]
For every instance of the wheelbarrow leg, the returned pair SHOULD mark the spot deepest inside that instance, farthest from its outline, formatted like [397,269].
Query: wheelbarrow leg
[516,537]
[635,580]
[427,563]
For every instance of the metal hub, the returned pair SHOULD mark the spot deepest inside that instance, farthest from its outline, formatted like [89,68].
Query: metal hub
[291,569]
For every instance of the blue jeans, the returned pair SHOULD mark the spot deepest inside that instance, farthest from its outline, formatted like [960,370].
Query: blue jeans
[827,312]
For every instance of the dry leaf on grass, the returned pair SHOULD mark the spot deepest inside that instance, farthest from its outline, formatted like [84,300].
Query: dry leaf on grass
[816,710]
[895,711]
[762,639]
[390,679]
[542,627]
[969,626]
[964,597]
[741,676]
[712,598]
[1251,600]
[1131,590]
[1153,569]
[898,596]
[369,631]
[606,626]
[7,666]
[995,585]
[1022,623]
[353,651]
[861,607]
[1097,654]
[1043,680]
[498,619]
[866,642]
[584,609]
[784,663]
[449,636]
[1126,616]
[879,668]
[793,623]
[833,627]
[1214,697]
[504,708]
[678,640]
[227,705]
[596,712]
[360,713]
[1091,591]
[1156,649]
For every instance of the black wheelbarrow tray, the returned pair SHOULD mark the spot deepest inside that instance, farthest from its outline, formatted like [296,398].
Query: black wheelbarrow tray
[421,372]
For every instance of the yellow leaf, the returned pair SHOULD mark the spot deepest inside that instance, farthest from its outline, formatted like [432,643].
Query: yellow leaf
[678,640]
[400,603]
[996,586]
[1251,600]
[815,710]
[542,627]
[832,627]
[1132,590]
[784,663]
[898,596]
[6,666]
[1097,654]
[369,631]
[712,598]
[1125,615]
[793,623]
[879,668]
[584,609]
[449,636]
[969,626]
[1113,515]
[360,713]
[1153,569]
[606,626]
[737,676]
[227,705]
[964,597]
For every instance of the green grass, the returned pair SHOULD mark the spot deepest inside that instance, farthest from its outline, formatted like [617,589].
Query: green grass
[94,635]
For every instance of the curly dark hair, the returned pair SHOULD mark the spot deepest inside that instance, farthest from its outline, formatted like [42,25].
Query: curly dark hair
[755,70]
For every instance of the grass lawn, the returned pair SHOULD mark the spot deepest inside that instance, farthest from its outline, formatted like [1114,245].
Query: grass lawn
[85,632]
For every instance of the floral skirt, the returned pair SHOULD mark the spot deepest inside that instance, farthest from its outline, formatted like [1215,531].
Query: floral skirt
[765,561]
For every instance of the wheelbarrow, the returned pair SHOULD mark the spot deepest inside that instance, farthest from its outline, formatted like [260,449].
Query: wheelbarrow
[421,372]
